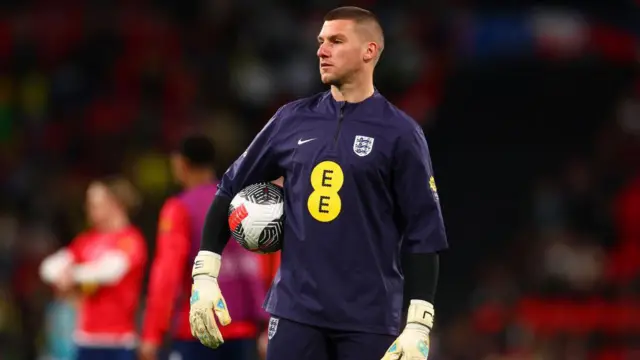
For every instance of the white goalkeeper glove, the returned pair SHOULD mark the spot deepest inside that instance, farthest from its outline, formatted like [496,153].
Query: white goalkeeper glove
[413,342]
[206,299]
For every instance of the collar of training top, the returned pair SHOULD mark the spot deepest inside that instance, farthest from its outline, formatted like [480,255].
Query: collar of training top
[372,104]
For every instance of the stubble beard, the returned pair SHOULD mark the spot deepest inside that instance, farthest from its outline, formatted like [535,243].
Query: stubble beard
[336,80]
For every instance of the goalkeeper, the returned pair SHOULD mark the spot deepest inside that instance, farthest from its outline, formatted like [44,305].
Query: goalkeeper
[363,219]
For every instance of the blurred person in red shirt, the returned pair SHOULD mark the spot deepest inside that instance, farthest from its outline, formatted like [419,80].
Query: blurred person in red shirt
[104,268]
[179,232]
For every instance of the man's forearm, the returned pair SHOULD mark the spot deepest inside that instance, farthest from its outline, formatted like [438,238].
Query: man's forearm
[54,265]
[215,233]
[108,269]
[421,276]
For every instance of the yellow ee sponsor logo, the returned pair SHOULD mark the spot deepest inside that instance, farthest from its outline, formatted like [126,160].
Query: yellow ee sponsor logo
[324,202]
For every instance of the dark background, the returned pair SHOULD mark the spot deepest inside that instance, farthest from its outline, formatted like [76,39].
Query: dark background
[520,100]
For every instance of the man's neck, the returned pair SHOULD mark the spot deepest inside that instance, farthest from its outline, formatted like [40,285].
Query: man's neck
[198,179]
[354,92]
[115,223]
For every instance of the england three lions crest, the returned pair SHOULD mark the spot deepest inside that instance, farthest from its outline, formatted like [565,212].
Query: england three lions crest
[362,145]
[273,327]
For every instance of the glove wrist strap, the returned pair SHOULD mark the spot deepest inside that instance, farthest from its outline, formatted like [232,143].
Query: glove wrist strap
[418,328]
[207,263]
[421,312]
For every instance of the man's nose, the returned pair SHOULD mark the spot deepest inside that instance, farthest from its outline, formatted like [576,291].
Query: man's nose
[323,52]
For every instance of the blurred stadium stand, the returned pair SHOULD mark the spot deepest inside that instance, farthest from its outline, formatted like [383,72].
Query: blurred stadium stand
[532,110]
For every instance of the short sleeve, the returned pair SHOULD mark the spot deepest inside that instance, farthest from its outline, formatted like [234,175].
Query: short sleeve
[258,163]
[77,245]
[133,245]
[416,194]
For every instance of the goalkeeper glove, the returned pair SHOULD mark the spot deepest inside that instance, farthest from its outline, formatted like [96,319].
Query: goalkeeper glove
[413,342]
[206,299]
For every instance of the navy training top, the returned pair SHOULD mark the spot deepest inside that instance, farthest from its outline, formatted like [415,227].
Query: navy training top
[359,190]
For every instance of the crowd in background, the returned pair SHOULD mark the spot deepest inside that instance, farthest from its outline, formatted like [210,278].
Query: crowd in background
[96,89]
[567,286]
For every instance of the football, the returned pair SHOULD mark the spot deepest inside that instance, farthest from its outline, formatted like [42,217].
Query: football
[256,217]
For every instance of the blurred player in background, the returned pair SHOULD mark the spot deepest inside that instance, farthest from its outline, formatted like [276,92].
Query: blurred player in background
[104,266]
[178,241]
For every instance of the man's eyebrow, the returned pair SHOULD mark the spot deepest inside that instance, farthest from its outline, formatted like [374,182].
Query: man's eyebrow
[331,37]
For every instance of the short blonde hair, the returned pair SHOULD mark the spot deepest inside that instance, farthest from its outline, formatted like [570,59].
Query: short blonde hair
[123,191]
[361,17]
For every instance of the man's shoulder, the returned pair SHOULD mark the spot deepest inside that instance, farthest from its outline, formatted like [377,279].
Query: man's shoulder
[205,191]
[174,200]
[293,110]
[134,233]
[85,236]
[396,117]
[174,204]
[303,104]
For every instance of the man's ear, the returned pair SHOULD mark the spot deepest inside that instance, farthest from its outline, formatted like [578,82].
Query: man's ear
[369,54]
[372,51]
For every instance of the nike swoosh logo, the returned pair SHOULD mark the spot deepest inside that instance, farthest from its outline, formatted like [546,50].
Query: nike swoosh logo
[300,142]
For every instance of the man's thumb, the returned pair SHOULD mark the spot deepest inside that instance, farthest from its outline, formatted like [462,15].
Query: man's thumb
[222,312]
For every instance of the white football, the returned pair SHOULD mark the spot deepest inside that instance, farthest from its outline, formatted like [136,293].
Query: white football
[256,217]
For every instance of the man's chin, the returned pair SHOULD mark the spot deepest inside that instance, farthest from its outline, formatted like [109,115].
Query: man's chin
[329,80]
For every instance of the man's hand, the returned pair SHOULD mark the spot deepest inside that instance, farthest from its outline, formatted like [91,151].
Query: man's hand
[263,341]
[206,299]
[413,343]
[64,284]
[148,351]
